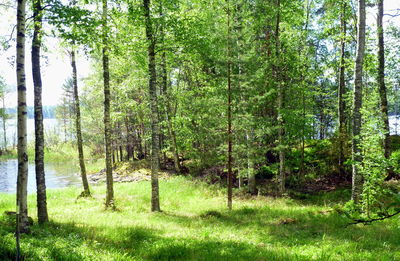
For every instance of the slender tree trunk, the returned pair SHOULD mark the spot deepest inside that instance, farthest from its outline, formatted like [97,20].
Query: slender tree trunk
[155,157]
[381,80]
[121,155]
[164,84]
[141,151]
[303,132]
[22,180]
[39,133]
[342,90]
[250,164]
[113,156]
[4,121]
[229,67]
[86,190]
[357,182]
[303,98]
[65,126]
[172,135]
[129,145]
[168,116]
[281,130]
[107,119]
[115,150]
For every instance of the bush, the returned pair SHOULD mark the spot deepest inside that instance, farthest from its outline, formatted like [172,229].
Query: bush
[267,172]
[395,161]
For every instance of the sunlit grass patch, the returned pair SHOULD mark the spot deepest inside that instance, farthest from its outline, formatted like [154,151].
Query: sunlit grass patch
[194,225]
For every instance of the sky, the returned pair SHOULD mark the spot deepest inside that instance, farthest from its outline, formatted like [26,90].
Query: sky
[56,66]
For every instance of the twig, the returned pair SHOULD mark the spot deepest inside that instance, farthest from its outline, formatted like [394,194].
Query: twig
[7,6]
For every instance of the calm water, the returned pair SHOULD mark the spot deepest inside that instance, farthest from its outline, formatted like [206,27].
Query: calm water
[394,122]
[51,127]
[57,176]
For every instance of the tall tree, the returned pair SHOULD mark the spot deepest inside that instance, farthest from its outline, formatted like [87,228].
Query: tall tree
[381,80]
[280,86]
[4,117]
[22,180]
[155,157]
[166,95]
[39,133]
[107,118]
[357,182]
[229,132]
[3,114]
[86,190]
[342,88]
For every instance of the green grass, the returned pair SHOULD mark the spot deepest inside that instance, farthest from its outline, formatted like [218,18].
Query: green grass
[195,225]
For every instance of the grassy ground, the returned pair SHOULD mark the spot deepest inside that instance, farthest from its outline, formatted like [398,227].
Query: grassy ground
[195,225]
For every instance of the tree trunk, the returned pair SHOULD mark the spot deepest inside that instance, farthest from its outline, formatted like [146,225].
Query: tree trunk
[113,156]
[22,180]
[140,149]
[121,155]
[229,132]
[168,109]
[107,120]
[303,98]
[39,133]
[86,190]
[155,157]
[250,165]
[281,130]
[381,80]
[129,145]
[4,121]
[342,91]
[172,135]
[357,182]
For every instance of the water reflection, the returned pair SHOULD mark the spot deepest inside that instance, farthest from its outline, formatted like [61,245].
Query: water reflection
[57,176]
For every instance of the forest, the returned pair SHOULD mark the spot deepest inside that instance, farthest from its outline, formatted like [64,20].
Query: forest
[203,130]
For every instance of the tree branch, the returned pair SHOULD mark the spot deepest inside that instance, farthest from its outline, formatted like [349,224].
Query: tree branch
[369,221]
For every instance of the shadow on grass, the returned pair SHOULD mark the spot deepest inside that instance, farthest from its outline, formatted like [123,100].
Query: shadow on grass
[63,241]
[272,237]
[331,198]
[293,228]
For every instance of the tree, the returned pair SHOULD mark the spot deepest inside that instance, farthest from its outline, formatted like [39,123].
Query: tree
[229,132]
[39,133]
[22,180]
[381,80]
[280,87]
[3,113]
[152,77]
[107,118]
[342,88]
[167,97]
[357,181]
[77,109]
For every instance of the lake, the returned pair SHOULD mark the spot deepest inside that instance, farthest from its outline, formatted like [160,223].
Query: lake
[51,127]
[394,122]
[57,176]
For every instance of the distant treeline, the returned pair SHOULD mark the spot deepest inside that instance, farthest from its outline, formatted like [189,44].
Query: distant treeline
[48,112]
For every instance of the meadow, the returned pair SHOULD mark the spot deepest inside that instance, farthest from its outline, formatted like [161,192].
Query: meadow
[195,225]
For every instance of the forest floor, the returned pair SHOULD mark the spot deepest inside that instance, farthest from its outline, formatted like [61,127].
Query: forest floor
[195,225]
